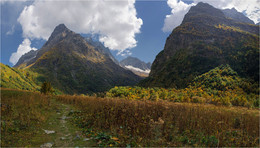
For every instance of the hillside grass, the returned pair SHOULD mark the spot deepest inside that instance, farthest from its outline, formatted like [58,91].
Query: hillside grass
[163,123]
[18,78]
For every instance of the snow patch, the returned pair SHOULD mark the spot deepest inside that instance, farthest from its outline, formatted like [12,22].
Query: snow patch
[137,69]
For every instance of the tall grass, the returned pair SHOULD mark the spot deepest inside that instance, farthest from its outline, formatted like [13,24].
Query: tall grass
[21,113]
[162,123]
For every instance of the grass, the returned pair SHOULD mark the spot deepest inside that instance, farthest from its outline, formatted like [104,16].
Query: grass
[162,123]
[25,114]
[18,78]
[115,122]
[22,114]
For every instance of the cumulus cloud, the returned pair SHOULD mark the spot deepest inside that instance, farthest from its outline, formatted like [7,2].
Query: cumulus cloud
[22,49]
[251,8]
[114,21]
[179,9]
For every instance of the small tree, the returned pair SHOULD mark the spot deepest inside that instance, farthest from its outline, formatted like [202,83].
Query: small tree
[46,88]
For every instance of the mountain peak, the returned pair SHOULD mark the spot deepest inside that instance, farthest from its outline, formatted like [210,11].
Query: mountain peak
[60,32]
[206,9]
[237,16]
[136,66]
[202,10]
[59,29]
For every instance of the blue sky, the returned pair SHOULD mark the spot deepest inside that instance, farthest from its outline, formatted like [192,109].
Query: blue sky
[138,28]
[151,40]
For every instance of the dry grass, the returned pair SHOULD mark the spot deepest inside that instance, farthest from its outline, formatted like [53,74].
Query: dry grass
[146,123]
[22,112]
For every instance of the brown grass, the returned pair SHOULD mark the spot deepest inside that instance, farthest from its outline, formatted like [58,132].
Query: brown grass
[146,123]
[21,113]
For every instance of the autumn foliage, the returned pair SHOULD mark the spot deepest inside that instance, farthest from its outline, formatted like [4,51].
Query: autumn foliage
[150,123]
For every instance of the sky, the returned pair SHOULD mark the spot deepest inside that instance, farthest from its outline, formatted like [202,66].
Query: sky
[134,27]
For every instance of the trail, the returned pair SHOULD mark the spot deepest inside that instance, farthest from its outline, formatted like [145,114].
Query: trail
[59,132]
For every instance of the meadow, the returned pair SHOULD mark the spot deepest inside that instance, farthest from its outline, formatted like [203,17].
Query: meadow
[22,115]
[121,122]
[163,123]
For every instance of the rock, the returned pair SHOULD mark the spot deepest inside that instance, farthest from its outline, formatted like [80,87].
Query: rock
[63,117]
[99,142]
[48,132]
[62,138]
[77,137]
[86,139]
[46,145]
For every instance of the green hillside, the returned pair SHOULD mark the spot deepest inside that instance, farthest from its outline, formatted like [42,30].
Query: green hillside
[224,78]
[19,78]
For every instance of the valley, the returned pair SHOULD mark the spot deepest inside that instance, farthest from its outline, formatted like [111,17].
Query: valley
[201,90]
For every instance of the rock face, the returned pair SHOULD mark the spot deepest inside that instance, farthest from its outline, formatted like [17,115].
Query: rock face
[235,15]
[73,65]
[136,66]
[205,39]
[26,57]
[101,48]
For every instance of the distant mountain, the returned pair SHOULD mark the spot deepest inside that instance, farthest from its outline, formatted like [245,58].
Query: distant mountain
[206,39]
[235,15]
[74,65]
[137,66]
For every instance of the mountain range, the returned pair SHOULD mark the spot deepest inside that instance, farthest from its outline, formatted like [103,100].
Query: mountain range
[74,64]
[207,38]
[136,66]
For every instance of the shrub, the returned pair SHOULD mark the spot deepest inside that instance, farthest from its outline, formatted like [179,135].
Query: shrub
[46,88]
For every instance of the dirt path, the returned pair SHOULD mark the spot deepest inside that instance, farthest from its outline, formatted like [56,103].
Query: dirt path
[59,132]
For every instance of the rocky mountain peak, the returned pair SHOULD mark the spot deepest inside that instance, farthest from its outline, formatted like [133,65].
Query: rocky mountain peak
[60,28]
[136,66]
[235,15]
[202,9]
[60,31]
[205,8]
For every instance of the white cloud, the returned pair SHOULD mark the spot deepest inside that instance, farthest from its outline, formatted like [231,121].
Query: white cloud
[115,21]
[10,32]
[22,49]
[179,9]
[251,9]
[124,53]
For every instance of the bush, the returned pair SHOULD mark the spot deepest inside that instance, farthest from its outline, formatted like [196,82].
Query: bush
[46,88]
